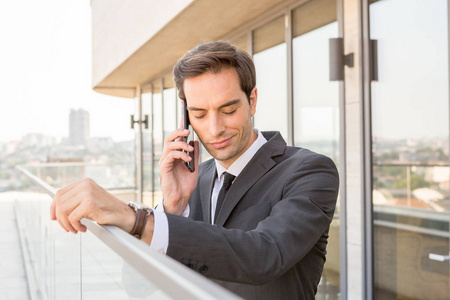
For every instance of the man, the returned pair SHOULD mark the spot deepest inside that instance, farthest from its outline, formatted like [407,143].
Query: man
[264,234]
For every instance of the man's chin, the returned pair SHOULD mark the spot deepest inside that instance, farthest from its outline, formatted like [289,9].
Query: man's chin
[220,154]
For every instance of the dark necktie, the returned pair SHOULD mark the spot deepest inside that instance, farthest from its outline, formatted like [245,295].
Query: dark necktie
[227,181]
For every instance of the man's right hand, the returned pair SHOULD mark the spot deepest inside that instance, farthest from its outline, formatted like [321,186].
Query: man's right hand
[177,182]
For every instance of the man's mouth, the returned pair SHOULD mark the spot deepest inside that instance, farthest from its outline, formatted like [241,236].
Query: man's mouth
[222,143]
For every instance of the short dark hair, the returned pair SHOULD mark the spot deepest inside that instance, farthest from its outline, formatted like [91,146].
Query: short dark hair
[213,57]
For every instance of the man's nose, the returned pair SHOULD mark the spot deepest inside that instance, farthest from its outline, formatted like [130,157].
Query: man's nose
[216,125]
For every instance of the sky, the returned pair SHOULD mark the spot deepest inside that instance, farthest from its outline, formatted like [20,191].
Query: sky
[45,70]
[410,99]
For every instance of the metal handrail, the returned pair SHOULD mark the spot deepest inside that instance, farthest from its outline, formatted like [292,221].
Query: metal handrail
[409,164]
[412,212]
[411,228]
[162,271]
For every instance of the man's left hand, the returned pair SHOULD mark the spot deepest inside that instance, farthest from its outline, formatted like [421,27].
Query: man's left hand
[86,199]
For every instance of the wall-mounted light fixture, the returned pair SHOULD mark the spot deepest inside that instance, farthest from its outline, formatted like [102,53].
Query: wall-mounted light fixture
[145,121]
[338,59]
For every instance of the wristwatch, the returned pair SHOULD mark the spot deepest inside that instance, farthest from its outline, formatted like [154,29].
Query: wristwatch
[142,213]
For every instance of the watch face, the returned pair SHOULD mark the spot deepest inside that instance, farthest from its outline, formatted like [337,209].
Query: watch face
[137,206]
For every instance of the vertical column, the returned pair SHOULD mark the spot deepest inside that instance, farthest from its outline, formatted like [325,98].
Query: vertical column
[139,158]
[343,265]
[290,95]
[356,158]
[250,43]
[368,75]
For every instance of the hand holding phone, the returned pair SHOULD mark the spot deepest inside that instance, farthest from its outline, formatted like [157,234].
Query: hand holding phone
[190,165]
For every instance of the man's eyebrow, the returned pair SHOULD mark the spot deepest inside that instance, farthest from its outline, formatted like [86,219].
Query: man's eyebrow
[229,103]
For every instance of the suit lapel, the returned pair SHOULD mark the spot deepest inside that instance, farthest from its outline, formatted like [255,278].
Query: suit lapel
[258,166]
[206,182]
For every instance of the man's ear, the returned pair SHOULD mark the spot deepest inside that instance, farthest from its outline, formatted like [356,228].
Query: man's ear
[253,101]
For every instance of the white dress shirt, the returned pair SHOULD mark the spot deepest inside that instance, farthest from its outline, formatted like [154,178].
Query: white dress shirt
[160,240]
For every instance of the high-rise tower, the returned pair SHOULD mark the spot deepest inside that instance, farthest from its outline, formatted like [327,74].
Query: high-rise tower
[79,127]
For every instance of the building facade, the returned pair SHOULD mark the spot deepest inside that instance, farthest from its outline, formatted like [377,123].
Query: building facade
[79,127]
[363,82]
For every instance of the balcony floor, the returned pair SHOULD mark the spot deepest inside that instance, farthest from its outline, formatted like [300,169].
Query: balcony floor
[13,279]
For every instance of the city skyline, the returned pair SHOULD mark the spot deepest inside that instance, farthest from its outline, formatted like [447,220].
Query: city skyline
[60,138]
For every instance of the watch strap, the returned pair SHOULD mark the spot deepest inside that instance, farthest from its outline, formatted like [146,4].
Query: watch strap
[139,224]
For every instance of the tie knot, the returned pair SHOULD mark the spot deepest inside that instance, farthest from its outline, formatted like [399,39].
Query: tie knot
[228,180]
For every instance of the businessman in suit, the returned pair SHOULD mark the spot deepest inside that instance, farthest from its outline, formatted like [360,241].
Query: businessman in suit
[255,218]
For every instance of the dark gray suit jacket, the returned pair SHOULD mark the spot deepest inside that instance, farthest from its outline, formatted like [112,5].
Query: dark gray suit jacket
[270,236]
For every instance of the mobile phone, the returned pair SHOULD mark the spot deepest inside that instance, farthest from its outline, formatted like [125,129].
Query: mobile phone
[190,165]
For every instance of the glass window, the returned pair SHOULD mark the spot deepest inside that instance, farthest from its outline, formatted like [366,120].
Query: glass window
[316,98]
[171,121]
[410,128]
[271,77]
[170,111]
[158,141]
[316,108]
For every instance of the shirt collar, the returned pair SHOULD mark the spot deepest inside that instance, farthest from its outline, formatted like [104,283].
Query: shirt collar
[240,163]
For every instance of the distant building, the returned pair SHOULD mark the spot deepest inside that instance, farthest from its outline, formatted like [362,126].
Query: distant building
[37,140]
[10,147]
[79,127]
[101,143]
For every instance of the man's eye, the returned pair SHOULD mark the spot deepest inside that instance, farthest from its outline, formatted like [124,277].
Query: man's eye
[199,116]
[229,112]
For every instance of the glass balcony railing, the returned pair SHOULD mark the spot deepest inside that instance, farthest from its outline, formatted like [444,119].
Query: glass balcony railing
[109,176]
[411,226]
[413,195]
[103,263]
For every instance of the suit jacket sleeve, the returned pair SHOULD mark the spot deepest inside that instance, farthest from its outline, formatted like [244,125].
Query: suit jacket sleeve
[293,226]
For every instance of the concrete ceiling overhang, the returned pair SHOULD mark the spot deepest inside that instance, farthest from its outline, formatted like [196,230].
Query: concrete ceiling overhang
[199,21]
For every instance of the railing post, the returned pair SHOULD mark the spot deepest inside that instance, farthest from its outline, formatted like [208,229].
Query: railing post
[408,184]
